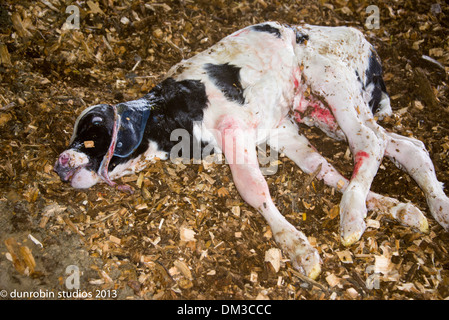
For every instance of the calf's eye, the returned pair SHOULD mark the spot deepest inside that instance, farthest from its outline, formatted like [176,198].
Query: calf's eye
[97,121]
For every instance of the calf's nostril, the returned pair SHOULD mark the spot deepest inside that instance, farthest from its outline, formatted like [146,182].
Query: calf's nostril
[63,160]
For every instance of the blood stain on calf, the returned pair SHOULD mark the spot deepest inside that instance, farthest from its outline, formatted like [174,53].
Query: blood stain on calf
[296,83]
[358,161]
[323,115]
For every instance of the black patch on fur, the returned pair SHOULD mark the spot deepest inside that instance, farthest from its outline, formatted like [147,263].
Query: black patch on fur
[96,125]
[267,28]
[374,75]
[227,78]
[300,37]
[174,105]
[359,79]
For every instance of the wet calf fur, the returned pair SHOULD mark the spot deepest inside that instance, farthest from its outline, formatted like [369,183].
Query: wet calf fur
[255,86]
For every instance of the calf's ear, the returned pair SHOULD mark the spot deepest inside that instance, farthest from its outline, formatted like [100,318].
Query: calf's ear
[133,120]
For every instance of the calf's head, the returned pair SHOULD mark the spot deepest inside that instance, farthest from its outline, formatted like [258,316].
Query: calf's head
[100,133]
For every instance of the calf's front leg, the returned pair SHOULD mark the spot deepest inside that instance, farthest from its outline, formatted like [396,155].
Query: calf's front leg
[238,145]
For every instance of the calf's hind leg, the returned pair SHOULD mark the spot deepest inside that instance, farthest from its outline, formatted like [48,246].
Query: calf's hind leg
[240,152]
[287,140]
[411,155]
[337,85]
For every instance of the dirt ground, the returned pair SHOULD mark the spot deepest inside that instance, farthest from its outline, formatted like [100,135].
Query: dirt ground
[185,233]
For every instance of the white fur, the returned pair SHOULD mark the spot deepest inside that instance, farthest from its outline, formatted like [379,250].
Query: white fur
[84,179]
[281,77]
[138,164]
[77,158]
[314,82]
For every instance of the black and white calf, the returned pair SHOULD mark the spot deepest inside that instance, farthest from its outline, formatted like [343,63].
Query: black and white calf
[266,78]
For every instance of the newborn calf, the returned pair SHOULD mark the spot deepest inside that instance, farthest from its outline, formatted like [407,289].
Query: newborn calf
[255,86]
